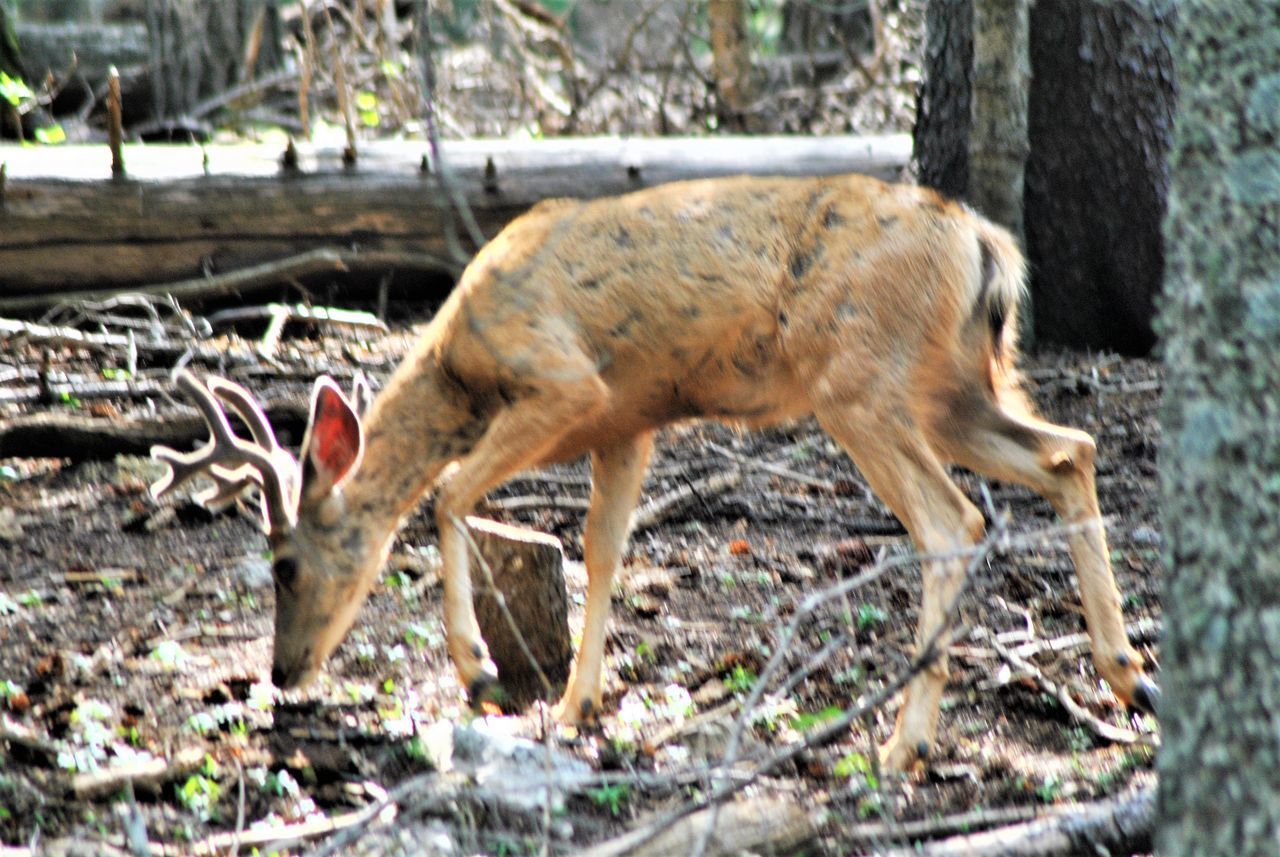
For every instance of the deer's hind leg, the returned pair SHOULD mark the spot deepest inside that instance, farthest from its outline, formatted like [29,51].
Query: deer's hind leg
[1003,440]
[895,457]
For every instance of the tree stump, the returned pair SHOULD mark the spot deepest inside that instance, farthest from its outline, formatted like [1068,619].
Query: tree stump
[528,570]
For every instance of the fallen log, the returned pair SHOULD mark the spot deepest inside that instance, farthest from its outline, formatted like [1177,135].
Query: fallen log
[189,212]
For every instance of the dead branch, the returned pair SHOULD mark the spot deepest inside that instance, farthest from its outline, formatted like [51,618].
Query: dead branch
[12,329]
[252,278]
[82,438]
[1100,728]
[144,773]
[1122,826]
[766,825]
[775,469]
[672,503]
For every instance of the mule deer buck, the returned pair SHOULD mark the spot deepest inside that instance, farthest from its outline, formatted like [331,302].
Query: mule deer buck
[884,310]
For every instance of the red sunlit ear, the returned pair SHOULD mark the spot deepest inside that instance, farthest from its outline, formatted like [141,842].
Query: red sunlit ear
[333,443]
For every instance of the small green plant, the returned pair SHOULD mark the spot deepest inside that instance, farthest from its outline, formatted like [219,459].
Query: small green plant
[14,89]
[199,795]
[67,400]
[367,106]
[869,616]
[740,679]
[612,796]
[31,598]
[201,723]
[280,783]
[855,765]
[806,720]
[1050,789]
[416,750]
[421,636]
[644,652]
[397,580]
[358,691]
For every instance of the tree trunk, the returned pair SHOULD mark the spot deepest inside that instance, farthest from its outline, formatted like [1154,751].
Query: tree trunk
[944,114]
[1099,120]
[202,49]
[997,161]
[730,62]
[999,105]
[1102,105]
[1219,793]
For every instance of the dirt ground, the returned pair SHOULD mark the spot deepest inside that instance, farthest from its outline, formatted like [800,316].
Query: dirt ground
[130,635]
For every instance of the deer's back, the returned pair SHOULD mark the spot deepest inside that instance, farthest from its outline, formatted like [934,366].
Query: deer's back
[720,298]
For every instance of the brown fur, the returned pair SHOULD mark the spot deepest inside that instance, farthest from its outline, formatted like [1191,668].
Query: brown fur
[885,310]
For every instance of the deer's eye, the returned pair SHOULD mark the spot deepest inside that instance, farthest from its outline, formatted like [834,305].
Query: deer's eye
[286,571]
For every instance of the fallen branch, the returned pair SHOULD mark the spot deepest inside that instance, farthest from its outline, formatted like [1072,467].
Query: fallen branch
[252,278]
[82,438]
[1122,826]
[1100,728]
[775,469]
[672,503]
[766,825]
[47,335]
[141,773]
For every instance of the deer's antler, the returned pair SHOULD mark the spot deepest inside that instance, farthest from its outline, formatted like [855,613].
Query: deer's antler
[233,463]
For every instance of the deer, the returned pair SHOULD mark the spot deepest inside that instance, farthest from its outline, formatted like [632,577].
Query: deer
[884,310]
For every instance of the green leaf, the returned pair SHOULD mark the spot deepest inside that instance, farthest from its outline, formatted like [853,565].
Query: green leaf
[14,90]
[51,135]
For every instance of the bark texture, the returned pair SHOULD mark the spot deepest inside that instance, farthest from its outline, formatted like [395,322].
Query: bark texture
[1100,125]
[730,61]
[1220,319]
[1001,70]
[202,49]
[528,569]
[944,112]
[1100,116]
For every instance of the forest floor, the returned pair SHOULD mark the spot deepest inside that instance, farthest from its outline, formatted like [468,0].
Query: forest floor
[136,640]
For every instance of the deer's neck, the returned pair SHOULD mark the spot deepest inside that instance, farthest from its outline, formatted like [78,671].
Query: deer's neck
[418,425]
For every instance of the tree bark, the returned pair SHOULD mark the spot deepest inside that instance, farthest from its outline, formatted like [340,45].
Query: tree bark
[944,112]
[200,49]
[528,569]
[1001,70]
[730,62]
[998,156]
[1100,114]
[1102,105]
[1219,793]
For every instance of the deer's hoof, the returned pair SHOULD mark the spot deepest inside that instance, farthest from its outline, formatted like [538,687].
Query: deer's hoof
[485,688]
[1146,695]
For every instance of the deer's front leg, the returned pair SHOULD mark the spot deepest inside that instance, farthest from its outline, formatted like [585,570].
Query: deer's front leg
[466,647]
[616,475]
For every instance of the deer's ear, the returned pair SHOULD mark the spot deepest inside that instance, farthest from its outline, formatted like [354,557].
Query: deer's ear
[334,441]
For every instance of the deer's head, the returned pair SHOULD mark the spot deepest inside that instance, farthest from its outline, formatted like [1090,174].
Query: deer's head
[324,560]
